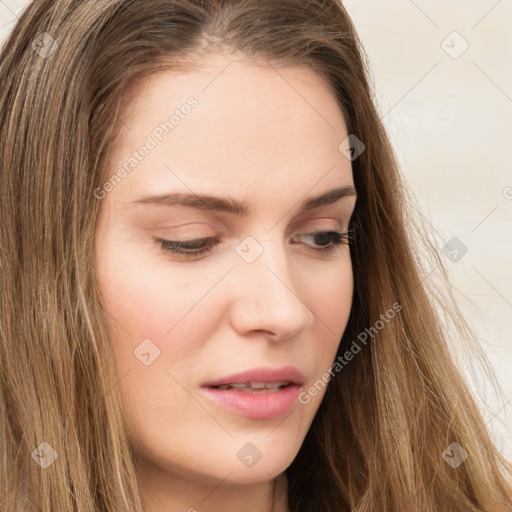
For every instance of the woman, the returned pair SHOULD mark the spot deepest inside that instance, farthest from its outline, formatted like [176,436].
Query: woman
[211,295]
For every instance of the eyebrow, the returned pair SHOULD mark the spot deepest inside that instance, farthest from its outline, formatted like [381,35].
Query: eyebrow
[228,205]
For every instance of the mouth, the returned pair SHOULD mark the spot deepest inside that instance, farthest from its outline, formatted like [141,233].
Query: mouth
[260,378]
[261,393]
[254,387]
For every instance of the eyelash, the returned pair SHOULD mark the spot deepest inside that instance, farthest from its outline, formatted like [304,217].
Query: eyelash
[337,239]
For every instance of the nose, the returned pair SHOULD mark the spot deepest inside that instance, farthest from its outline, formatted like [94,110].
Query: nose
[269,295]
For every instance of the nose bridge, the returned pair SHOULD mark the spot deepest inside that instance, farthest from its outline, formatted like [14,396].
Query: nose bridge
[266,293]
[262,259]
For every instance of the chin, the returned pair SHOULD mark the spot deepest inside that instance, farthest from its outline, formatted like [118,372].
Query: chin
[258,460]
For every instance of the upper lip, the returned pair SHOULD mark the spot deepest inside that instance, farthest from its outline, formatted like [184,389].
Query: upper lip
[261,374]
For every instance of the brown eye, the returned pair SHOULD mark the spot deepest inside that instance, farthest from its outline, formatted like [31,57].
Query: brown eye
[329,241]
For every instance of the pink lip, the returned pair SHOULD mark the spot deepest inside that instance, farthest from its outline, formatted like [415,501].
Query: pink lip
[260,405]
[263,374]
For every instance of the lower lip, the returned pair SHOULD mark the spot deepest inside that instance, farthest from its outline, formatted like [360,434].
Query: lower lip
[260,405]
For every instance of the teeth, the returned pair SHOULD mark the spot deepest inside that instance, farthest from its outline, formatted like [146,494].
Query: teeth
[254,385]
[238,385]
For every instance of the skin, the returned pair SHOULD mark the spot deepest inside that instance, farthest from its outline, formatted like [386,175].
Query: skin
[267,136]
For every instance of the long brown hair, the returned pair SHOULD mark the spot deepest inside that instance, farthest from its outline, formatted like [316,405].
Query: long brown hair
[377,441]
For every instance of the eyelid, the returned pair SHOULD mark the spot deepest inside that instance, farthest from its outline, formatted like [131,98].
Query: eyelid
[338,238]
[337,220]
[196,230]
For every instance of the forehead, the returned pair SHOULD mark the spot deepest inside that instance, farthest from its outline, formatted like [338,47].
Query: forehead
[253,124]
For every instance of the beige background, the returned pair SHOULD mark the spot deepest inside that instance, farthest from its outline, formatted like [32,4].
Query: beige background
[443,78]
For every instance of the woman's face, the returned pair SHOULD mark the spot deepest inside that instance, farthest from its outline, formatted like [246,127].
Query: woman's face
[261,298]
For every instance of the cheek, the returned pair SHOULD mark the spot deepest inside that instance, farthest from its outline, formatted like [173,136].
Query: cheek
[144,295]
[335,297]
[147,299]
[328,293]
[157,324]
[331,302]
